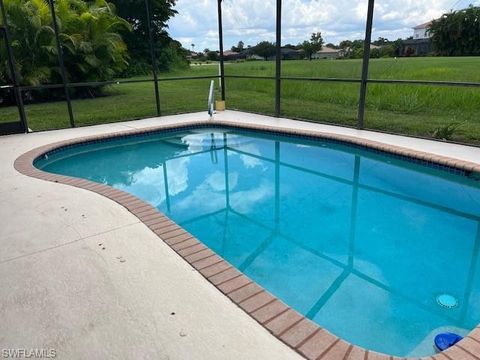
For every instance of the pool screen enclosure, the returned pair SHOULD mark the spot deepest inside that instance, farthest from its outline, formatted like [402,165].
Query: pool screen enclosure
[18,89]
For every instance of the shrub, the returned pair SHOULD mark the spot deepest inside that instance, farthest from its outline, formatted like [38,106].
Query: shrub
[89,32]
[446,132]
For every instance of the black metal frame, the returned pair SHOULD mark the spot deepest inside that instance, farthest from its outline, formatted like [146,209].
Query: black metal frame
[278,59]
[152,55]
[13,73]
[61,63]
[220,45]
[363,81]
[366,61]
[278,78]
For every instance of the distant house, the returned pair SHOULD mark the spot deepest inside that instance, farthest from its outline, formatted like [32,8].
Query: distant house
[252,56]
[289,54]
[421,31]
[192,55]
[348,50]
[327,53]
[420,44]
[233,55]
[417,47]
[249,55]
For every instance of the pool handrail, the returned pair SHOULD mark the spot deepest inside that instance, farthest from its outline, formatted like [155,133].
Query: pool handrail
[211,99]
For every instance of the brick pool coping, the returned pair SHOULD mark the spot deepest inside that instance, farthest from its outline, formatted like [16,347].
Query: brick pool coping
[285,323]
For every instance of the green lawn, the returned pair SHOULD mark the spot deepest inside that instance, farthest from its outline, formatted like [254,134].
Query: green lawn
[404,109]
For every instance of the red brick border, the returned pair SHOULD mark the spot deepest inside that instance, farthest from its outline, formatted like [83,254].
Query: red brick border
[292,328]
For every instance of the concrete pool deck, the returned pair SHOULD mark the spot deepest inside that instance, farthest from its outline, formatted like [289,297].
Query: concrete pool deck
[95,282]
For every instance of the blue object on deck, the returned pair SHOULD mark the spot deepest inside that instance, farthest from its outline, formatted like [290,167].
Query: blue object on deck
[445,340]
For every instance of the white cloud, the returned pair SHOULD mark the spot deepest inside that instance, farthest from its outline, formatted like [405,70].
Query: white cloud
[254,20]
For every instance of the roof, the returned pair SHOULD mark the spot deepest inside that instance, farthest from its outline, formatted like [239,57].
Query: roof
[326,49]
[416,41]
[423,26]
[348,49]
[289,51]
[230,53]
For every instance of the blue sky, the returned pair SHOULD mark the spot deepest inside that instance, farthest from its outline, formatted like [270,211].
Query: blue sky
[254,20]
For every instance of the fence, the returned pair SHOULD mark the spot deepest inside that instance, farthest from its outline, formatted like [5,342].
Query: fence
[363,82]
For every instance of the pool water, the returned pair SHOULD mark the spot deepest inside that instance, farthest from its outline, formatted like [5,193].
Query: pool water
[370,247]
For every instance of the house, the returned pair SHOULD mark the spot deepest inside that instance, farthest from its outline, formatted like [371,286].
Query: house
[348,50]
[420,43]
[252,56]
[289,54]
[327,53]
[249,55]
[192,55]
[421,31]
[417,47]
[233,55]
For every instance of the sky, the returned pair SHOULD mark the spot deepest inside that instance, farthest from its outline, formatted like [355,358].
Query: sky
[252,21]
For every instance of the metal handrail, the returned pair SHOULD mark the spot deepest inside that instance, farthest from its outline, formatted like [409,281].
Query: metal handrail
[211,99]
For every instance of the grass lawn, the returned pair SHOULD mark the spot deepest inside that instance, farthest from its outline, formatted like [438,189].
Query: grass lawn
[404,109]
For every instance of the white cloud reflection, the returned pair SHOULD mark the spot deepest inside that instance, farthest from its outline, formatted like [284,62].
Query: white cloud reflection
[209,195]
[149,184]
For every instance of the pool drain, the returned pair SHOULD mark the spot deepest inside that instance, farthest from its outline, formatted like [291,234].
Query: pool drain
[447,301]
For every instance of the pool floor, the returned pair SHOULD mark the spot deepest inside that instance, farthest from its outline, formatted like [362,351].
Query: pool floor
[361,243]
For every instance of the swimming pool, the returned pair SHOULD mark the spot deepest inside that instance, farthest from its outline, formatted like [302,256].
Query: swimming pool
[362,243]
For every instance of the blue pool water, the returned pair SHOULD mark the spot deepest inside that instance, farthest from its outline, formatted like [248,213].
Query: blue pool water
[361,243]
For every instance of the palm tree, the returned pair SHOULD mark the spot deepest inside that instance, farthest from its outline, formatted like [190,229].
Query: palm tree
[457,33]
[89,34]
[32,41]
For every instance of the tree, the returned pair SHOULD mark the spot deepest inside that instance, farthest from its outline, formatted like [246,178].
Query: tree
[398,47]
[264,49]
[239,48]
[89,32]
[388,50]
[457,33]
[290,46]
[332,46]
[134,11]
[213,56]
[381,41]
[317,39]
[375,53]
[352,49]
[94,50]
[307,49]
[315,44]
[345,44]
